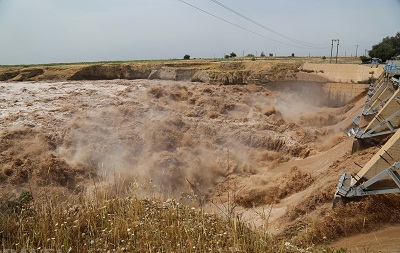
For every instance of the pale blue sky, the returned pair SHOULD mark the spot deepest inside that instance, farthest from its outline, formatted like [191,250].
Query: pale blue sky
[46,31]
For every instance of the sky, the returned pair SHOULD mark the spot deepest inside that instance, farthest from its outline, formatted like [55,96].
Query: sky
[58,31]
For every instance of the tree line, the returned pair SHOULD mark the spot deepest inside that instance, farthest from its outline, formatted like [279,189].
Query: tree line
[387,49]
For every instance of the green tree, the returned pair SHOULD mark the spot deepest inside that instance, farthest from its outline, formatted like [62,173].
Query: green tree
[186,57]
[388,48]
[365,59]
[292,54]
[262,54]
[232,55]
[384,51]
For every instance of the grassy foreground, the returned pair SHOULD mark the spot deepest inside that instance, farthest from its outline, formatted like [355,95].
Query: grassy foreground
[107,223]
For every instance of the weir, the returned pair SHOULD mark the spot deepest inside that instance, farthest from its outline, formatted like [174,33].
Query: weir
[380,118]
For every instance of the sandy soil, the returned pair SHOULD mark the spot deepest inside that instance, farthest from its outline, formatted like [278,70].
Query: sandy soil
[385,241]
[271,153]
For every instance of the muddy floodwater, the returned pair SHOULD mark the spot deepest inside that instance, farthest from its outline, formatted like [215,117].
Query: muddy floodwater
[268,144]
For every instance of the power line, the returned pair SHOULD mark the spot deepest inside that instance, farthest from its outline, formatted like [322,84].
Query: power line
[263,26]
[243,28]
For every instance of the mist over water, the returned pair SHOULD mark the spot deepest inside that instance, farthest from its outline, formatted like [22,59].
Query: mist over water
[172,133]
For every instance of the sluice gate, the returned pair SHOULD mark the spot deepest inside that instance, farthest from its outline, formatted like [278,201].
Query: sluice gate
[380,117]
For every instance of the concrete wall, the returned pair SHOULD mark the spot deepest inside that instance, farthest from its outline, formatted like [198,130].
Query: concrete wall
[345,91]
[345,73]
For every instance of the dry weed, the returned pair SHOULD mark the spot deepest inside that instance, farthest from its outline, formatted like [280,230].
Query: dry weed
[106,222]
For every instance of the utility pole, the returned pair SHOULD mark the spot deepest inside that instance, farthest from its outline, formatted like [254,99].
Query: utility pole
[365,54]
[337,49]
[356,50]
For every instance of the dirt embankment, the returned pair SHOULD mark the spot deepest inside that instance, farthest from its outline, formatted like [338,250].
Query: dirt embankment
[206,71]
[226,72]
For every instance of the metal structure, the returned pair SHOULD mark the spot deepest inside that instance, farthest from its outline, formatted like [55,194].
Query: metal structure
[381,112]
[379,175]
[380,117]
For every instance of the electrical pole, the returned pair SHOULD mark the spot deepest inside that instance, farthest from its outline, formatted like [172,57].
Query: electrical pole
[365,54]
[356,50]
[337,49]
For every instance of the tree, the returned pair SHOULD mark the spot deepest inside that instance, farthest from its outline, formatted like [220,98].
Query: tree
[365,59]
[262,54]
[271,54]
[250,55]
[292,54]
[186,57]
[384,51]
[232,55]
[388,48]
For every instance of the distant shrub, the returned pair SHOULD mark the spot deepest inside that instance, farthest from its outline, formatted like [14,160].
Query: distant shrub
[365,59]
[186,57]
